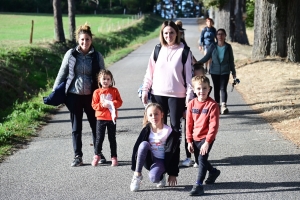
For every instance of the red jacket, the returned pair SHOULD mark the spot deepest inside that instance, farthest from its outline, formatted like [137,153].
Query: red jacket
[202,120]
[110,93]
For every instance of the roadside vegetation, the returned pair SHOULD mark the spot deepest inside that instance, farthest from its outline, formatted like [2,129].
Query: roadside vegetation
[28,71]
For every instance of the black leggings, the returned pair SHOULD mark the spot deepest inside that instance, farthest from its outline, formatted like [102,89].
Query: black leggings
[176,107]
[220,83]
[102,125]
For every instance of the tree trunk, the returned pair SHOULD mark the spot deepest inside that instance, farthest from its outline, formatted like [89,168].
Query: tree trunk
[293,31]
[58,23]
[230,17]
[72,25]
[239,34]
[222,18]
[276,29]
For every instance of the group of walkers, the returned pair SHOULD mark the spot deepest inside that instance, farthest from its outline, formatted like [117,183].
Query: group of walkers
[178,87]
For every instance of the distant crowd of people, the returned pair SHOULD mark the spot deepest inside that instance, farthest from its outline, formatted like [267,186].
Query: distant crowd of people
[175,84]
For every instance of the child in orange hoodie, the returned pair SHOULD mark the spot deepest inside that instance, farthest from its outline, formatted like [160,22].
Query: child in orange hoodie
[106,100]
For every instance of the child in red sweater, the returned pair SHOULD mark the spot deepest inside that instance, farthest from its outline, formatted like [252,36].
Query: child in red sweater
[202,121]
[105,102]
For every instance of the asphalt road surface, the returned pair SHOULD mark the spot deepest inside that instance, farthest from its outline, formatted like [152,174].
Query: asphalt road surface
[255,161]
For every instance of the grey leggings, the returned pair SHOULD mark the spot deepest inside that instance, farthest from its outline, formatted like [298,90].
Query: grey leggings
[156,169]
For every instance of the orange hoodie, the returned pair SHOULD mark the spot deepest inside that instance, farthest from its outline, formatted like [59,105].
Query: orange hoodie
[111,94]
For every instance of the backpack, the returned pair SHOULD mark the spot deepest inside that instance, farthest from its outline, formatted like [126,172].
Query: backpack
[185,54]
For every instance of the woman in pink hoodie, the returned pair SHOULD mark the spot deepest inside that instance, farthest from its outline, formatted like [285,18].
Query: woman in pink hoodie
[167,77]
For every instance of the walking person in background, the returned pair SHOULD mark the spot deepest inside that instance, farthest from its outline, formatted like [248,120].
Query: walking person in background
[207,37]
[168,78]
[222,64]
[182,37]
[157,149]
[80,67]
[105,102]
[202,121]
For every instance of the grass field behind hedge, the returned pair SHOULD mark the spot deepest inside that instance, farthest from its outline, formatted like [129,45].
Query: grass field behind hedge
[16,28]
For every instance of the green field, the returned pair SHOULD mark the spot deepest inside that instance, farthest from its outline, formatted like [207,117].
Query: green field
[16,27]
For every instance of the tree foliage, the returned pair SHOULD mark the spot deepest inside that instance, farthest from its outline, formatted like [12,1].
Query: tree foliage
[82,6]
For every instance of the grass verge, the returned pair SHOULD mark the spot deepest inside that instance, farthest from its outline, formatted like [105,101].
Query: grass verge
[29,71]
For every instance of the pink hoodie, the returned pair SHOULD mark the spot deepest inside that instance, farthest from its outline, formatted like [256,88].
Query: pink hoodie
[165,76]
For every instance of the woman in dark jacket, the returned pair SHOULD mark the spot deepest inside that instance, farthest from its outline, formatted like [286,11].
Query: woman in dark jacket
[157,149]
[222,64]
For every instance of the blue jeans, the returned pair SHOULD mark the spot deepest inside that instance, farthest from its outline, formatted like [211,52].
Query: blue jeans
[157,168]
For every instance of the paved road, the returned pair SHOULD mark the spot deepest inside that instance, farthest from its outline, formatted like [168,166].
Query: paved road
[255,162]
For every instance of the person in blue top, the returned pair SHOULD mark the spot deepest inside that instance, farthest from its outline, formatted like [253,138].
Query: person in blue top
[222,64]
[207,37]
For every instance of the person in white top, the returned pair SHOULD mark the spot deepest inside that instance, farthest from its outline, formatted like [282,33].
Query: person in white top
[168,79]
[156,149]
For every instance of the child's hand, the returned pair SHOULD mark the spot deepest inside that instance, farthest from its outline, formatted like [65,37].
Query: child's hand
[204,148]
[172,180]
[190,147]
[105,104]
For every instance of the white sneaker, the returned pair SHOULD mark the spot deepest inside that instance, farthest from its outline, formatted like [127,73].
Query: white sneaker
[135,183]
[162,183]
[195,165]
[187,162]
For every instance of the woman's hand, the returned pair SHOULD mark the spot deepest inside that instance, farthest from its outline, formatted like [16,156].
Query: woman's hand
[190,147]
[200,48]
[204,148]
[234,76]
[172,180]
[145,97]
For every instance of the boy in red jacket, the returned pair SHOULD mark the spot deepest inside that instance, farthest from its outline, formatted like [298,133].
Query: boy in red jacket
[202,122]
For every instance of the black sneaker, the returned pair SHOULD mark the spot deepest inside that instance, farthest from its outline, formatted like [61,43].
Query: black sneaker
[77,162]
[197,190]
[212,177]
[102,159]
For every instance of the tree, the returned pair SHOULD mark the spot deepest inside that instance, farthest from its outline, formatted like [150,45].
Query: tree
[230,15]
[58,23]
[276,29]
[72,25]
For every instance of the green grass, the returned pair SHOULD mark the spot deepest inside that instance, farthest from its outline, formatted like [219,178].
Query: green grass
[16,28]
[28,73]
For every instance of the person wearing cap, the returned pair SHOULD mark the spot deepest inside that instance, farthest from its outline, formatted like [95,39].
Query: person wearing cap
[181,36]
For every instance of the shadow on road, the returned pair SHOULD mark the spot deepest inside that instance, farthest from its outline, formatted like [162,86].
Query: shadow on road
[258,160]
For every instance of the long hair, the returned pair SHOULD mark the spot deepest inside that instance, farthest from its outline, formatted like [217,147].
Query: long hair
[161,34]
[108,73]
[156,105]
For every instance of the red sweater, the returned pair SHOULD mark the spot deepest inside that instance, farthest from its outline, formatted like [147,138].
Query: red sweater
[110,93]
[202,120]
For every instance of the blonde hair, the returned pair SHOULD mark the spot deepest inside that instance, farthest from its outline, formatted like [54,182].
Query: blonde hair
[156,105]
[161,34]
[200,79]
[108,73]
[179,23]
[83,29]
